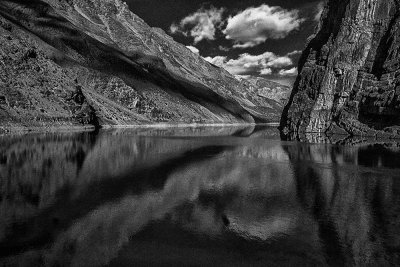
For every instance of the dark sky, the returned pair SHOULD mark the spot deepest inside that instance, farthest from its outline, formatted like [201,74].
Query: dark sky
[163,13]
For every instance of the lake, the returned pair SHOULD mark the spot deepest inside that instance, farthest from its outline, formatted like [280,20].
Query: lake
[208,196]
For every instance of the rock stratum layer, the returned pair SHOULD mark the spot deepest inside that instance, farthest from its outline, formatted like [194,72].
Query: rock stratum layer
[349,73]
[77,62]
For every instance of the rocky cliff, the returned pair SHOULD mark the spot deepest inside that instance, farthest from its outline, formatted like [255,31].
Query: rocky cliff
[77,62]
[349,73]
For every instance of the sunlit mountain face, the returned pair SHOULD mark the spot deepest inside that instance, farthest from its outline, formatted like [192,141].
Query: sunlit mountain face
[258,38]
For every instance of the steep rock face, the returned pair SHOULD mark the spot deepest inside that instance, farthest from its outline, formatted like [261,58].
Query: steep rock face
[349,80]
[129,73]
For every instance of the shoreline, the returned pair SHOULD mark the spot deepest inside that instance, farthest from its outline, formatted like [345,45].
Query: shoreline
[43,129]
[187,125]
[76,128]
[24,130]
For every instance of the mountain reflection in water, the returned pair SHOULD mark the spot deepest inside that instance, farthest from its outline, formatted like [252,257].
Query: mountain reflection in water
[196,197]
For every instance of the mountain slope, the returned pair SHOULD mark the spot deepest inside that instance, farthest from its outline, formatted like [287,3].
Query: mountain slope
[349,80]
[268,89]
[126,71]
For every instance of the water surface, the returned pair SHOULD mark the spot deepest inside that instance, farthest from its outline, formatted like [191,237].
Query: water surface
[197,197]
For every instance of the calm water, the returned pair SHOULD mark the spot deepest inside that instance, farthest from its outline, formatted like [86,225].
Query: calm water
[197,197]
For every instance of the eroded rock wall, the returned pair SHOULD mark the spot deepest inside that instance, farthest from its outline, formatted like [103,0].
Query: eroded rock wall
[349,73]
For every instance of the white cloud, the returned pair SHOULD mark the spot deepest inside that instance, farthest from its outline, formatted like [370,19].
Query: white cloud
[174,28]
[280,62]
[294,53]
[193,49]
[201,25]
[266,71]
[252,64]
[242,77]
[255,25]
[290,72]
[217,61]
[244,46]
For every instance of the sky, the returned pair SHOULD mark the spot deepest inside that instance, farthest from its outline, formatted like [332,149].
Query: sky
[248,37]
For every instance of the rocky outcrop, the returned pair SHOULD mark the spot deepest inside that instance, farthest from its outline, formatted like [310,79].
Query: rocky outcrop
[349,73]
[128,72]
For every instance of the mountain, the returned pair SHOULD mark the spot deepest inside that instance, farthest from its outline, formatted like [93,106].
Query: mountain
[268,89]
[349,73]
[274,94]
[91,62]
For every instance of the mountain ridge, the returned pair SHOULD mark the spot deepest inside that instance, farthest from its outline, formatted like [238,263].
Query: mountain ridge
[128,72]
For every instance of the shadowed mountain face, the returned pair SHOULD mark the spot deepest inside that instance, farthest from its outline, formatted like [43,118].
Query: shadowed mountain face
[153,197]
[125,71]
[349,80]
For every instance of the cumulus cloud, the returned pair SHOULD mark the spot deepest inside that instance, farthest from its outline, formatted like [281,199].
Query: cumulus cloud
[217,61]
[280,62]
[200,25]
[252,64]
[290,72]
[266,71]
[193,49]
[255,25]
